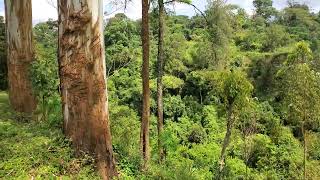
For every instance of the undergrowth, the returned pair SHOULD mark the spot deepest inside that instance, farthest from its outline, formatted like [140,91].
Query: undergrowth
[31,149]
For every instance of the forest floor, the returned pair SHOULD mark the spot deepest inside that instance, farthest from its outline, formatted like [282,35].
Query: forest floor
[34,150]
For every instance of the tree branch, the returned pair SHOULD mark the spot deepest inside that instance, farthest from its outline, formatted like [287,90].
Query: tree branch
[51,3]
[194,6]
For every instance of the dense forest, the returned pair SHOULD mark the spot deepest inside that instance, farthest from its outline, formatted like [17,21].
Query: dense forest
[220,95]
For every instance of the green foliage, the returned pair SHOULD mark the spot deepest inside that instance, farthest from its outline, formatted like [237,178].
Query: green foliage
[3,56]
[233,88]
[265,66]
[37,150]
[264,8]
[45,75]
[249,41]
[121,39]
[300,88]
[313,145]
[172,82]
[126,145]
[185,1]
[176,60]
[250,60]
[301,53]
[275,37]
[219,16]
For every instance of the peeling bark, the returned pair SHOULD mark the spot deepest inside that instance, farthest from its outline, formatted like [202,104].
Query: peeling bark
[159,78]
[83,81]
[20,54]
[144,135]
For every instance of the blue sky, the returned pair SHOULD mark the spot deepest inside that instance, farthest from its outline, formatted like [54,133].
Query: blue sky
[44,9]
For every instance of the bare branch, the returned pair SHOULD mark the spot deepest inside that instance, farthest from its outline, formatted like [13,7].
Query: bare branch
[202,13]
[123,4]
[194,6]
[121,66]
[53,4]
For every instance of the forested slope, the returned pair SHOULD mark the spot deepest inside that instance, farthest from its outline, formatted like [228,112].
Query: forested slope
[241,98]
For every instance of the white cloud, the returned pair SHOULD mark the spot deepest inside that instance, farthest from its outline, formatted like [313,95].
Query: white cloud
[43,10]
[245,4]
[132,10]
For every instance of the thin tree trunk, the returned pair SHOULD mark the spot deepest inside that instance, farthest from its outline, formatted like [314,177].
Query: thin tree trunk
[303,130]
[20,54]
[160,74]
[145,120]
[304,151]
[83,81]
[246,154]
[226,140]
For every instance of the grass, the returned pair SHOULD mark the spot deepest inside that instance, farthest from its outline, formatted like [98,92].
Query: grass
[30,149]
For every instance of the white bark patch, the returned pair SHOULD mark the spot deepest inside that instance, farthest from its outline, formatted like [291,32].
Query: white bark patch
[96,10]
[19,35]
[66,109]
[13,27]
[14,30]
[90,13]
[77,5]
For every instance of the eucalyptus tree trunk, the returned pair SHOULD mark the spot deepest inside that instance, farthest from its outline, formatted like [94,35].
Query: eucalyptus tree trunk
[20,54]
[83,81]
[159,78]
[145,120]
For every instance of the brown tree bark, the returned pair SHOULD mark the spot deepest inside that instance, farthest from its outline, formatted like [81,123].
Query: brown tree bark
[160,75]
[20,54]
[145,120]
[83,81]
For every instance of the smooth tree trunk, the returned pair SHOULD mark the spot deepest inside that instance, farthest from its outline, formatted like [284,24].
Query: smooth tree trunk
[145,120]
[304,155]
[83,81]
[20,54]
[159,78]
[226,141]
[246,154]
[303,130]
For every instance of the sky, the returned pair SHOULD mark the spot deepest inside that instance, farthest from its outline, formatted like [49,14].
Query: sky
[42,10]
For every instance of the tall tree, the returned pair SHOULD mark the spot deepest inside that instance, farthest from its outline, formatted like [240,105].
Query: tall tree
[3,59]
[219,19]
[300,92]
[235,91]
[145,121]
[264,8]
[160,74]
[83,81]
[20,54]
